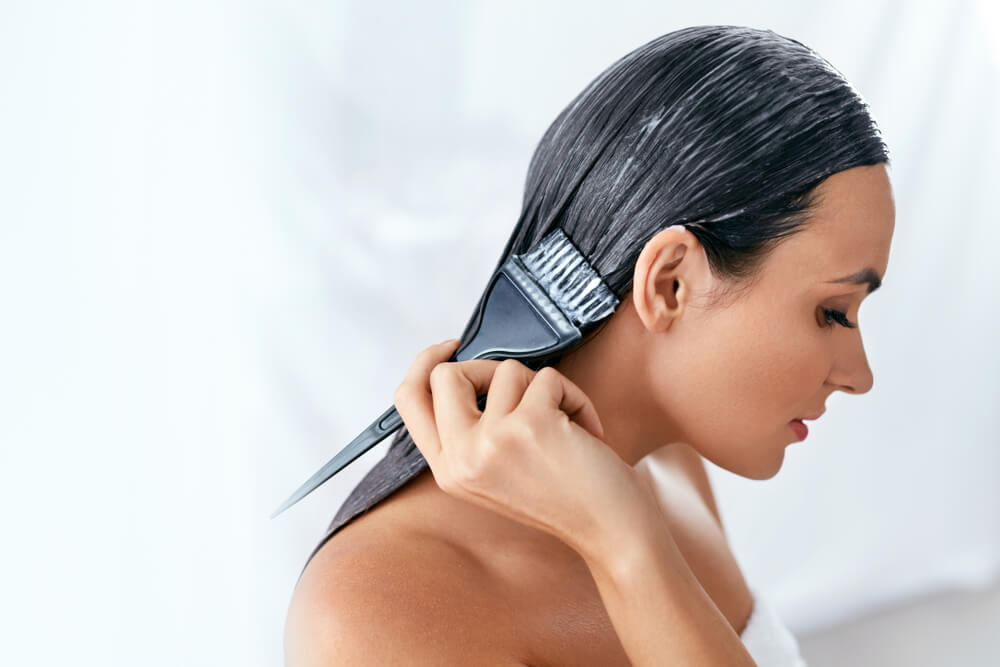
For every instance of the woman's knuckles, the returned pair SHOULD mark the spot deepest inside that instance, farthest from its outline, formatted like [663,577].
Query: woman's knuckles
[523,430]
[441,371]
[480,458]
[496,436]
[548,374]
[508,365]
[510,368]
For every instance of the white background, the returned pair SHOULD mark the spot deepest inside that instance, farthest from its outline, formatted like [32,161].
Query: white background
[226,228]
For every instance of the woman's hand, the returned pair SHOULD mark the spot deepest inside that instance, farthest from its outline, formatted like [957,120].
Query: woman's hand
[534,454]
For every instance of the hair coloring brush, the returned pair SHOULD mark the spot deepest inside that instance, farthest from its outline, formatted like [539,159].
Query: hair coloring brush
[538,305]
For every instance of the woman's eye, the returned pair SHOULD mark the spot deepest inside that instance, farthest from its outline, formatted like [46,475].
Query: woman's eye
[837,316]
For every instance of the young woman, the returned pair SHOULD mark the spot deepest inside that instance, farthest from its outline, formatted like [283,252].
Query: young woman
[730,186]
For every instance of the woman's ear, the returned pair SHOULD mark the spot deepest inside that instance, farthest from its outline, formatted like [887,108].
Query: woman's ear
[670,268]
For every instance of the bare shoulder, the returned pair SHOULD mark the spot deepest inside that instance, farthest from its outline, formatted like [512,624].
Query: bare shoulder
[411,600]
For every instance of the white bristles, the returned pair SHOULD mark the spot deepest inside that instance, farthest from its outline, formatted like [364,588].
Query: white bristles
[569,279]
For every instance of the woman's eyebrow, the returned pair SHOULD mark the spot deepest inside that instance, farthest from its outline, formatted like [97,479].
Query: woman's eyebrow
[865,275]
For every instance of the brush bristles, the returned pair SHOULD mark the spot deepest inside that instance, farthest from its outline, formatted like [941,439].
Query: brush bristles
[569,279]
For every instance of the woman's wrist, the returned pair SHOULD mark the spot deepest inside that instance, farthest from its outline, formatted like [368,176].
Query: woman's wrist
[626,532]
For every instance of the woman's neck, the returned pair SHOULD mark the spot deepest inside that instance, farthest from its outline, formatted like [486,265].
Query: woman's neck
[609,368]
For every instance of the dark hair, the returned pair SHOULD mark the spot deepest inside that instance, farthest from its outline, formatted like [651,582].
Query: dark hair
[724,129]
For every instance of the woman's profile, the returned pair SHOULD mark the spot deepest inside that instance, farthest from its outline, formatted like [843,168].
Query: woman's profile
[731,188]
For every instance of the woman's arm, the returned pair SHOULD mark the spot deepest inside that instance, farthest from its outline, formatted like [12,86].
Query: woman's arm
[659,610]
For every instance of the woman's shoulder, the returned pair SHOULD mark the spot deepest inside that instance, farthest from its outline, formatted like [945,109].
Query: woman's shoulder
[395,566]
[390,599]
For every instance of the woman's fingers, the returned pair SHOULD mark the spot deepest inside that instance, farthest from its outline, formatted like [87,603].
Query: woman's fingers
[510,379]
[551,390]
[414,402]
[508,385]
[455,393]
[437,399]
[456,387]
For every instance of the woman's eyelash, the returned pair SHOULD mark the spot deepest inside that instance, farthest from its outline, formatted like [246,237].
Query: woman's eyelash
[839,317]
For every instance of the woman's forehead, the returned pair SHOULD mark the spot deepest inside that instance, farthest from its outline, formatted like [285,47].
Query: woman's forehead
[850,230]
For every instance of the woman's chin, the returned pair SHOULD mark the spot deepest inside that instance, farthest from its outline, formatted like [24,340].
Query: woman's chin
[767,465]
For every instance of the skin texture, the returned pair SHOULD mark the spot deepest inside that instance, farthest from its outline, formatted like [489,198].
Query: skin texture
[669,375]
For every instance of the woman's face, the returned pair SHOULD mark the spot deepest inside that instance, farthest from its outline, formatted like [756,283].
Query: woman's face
[727,379]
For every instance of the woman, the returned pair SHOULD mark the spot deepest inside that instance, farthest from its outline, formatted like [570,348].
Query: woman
[730,186]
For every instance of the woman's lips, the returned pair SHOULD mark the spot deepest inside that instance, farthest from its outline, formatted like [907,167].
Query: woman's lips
[801,430]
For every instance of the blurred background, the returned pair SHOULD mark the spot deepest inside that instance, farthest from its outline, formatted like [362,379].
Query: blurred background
[226,229]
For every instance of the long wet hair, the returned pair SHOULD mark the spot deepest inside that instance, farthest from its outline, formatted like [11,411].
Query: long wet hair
[724,129]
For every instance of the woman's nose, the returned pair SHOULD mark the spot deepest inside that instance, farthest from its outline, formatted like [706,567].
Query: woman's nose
[851,372]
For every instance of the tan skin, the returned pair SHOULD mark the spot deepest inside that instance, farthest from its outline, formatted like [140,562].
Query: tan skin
[716,381]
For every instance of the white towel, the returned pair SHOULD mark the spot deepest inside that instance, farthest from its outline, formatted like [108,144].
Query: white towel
[769,641]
